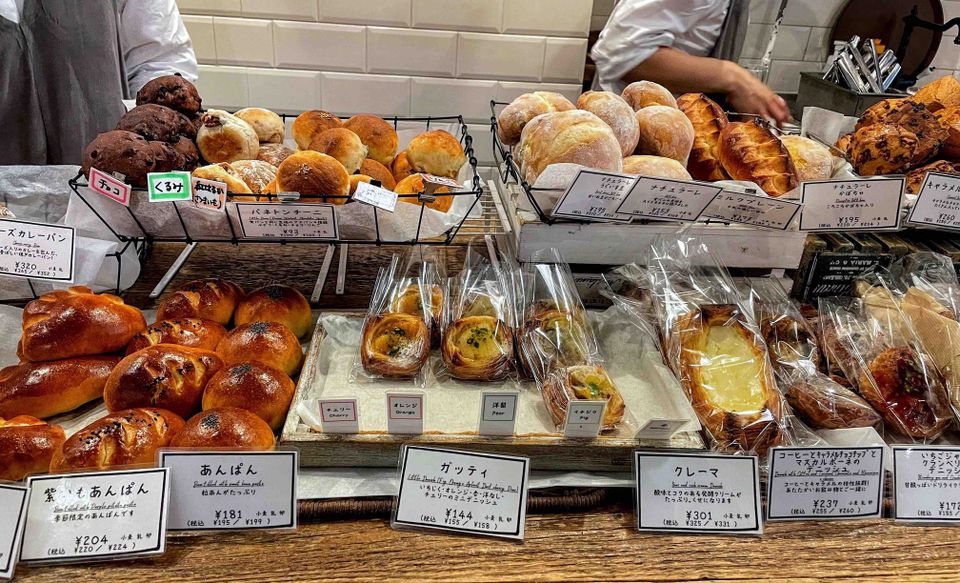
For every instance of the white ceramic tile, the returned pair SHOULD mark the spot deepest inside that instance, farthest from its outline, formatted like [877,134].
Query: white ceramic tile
[465,15]
[243,41]
[482,143]
[821,13]
[344,93]
[284,9]
[219,7]
[223,87]
[405,51]
[791,44]
[785,75]
[372,12]
[564,59]
[817,49]
[468,98]
[549,17]
[330,47]
[508,90]
[200,29]
[284,91]
[497,56]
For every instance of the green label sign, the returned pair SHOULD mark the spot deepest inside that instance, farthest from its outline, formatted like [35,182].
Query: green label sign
[167,186]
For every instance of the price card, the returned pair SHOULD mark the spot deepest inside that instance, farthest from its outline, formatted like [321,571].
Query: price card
[287,221]
[168,186]
[100,515]
[498,412]
[440,181]
[851,205]
[668,200]
[376,196]
[702,493]
[37,250]
[108,186]
[825,483]
[938,204]
[405,413]
[926,484]
[209,195]
[751,209]
[339,415]
[458,491]
[584,418]
[595,195]
[232,490]
[13,508]
[660,428]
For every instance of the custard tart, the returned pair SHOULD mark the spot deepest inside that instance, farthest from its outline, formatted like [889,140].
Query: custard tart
[587,382]
[477,348]
[394,345]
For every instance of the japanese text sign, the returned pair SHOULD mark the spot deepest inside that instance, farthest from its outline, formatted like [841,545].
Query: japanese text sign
[37,251]
[851,205]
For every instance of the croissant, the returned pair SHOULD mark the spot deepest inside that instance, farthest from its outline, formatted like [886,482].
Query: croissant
[394,345]
[588,382]
[749,151]
[478,348]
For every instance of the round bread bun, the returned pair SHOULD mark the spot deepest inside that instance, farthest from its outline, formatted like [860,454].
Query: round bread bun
[378,171]
[268,125]
[124,152]
[223,137]
[342,144]
[379,136]
[256,387]
[187,148]
[207,299]
[356,179]
[256,174]
[665,131]
[813,160]
[172,91]
[401,167]
[274,154]
[275,303]
[616,113]
[271,343]
[640,94]
[524,108]
[226,174]
[655,167]
[313,174]
[227,428]
[413,184]
[27,445]
[436,152]
[311,124]
[576,137]
[157,123]
[192,332]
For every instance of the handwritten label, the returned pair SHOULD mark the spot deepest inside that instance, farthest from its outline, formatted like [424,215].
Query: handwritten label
[108,186]
[702,493]
[37,250]
[97,515]
[458,491]
[13,507]
[376,196]
[660,428]
[209,195]
[750,209]
[232,490]
[584,418]
[938,203]
[851,205]
[926,484]
[498,412]
[405,413]
[668,200]
[287,221]
[825,483]
[595,195]
[168,186]
[339,415]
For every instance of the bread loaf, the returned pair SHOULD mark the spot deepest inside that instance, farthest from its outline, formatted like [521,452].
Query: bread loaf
[664,131]
[576,137]
[256,387]
[226,174]
[172,91]
[313,174]
[708,118]
[379,136]
[223,137]
[401,167]
[276,303]
[524,108]
[191,332]
[911,116]
[256,174]
[270,343]
[207,299]
[616,113]
[812,160]
[378,171]
[267,124]
[26,447]
[749,151]
[311,124]
[655,166]
[274,154]
[940,94]
[436,152]
[45,389]
[342,144]
[413,184]
[882,149]
[640,94]
[228,428]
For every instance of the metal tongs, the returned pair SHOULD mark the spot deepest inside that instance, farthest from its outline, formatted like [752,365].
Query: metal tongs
[860,68]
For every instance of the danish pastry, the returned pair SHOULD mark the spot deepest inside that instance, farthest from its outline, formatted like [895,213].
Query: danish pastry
[553,339]
[588,382]
[477,348]
[394,345]
[708,118]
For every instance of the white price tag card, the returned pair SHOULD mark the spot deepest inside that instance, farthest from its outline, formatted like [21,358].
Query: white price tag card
[232,490]
[458,491]
[697,493]
[37,251]
[870,204]
[74,517]
[287,221]
[584,418]
[938,204]
[339,415]
[108,186]
[405,413]
[13,508]
[595,195]
[668,200]
[209,195]
[376,196]
[168,186]
[926,484]
[750,209]
[498,412]
[660,428]
[825,483]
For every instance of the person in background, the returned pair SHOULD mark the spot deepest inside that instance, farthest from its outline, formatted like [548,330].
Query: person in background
[684,45]
[65,66]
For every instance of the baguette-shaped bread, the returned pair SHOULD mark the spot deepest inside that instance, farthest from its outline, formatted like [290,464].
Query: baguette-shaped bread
[478,348]
[191,332]
[749,151]
[708,118]
[45,389]
[26,446]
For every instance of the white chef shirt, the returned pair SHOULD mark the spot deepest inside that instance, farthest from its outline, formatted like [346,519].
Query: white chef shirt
[637,28]
[153,39]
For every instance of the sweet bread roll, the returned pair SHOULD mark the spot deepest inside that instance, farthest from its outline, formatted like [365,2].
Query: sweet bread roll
[616,113]
[256,174]
[192,332]
[157,123]
[708,118]
[587,382]
[664,131]
[311,124]
[172,91]
[256,387]
[413,184]
[576,137]
[125,153]
[436,152]
[949,119]
[207,299]
[520,111]
[356,179]
[275,303]
[916,176]
[749,151]
[940,94]
[379,136]
[223,137]
[26,447]
[267,124]
[313,174]
[378,171]
[227,428]
[226,174]
[400,167]
[122,438]
[76,322]
[165,376]
[274,154]
[45,389]
[342,144]
[477,348]
[394,345]
[812,160]
[186,148]
[271,343]
[882,149]
[640,94]
[655,166]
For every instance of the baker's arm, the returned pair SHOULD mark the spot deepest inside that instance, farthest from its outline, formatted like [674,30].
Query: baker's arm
[154,42]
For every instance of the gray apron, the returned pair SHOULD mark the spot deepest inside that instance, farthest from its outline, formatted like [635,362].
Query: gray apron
[61,79]
[734,30]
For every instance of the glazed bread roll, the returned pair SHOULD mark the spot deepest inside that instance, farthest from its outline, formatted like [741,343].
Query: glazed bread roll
[122,438]
[708,118]
[123,152]
[749,151]
[400,167]
[664,131]
[940,94]
[228,428]
[166,376]
[256,387]
[436,152]
[394,345]
[26,447]
[76,322]
[379,136]
[275,303]
[576,137]
[45,389]
[655,167]
[311,124]
[274,154]
[640,94]
[268,125]
[812,160]
[313,174]
[207,299]
[378,171]
[342,144]
[270,343]
[223,137]
[616,113]
[157,123]
[191,332]
[172,91]
[226,174]
[413,184]
[256,174]
[524,108]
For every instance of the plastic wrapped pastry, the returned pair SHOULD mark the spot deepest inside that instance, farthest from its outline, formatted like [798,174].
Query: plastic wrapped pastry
[587,382]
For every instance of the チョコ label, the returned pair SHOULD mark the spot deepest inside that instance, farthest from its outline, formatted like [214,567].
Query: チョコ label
[703,493]
[108,186]
[926,484]
[595,195]
[825,483]
[376,196]
[668,200]
[99,515]
[168,186]
[405,413]
[870,204]
[584,418]
[339,415]
[287,221]
[938,203]
[754,210]
[37,251]
[232,490]
[498,412]
[458,491]
[209,195]
[13,507]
